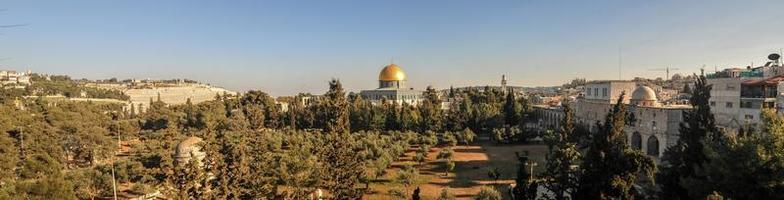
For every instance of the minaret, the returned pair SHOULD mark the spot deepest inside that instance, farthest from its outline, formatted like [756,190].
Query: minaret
[503,83]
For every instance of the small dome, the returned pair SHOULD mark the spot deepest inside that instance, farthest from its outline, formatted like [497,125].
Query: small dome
[188,149]
[392,72]
[644,93]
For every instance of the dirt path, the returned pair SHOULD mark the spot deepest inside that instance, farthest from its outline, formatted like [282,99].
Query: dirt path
[472,164]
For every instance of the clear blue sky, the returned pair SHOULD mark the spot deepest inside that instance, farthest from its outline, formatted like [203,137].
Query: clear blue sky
[285,47]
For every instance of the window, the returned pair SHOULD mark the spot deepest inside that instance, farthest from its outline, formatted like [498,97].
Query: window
[653,125]
[713,103]
[749,116]
[729,105]
[589,92]
[637,141]
[596,92]
[604,92]
[653,146]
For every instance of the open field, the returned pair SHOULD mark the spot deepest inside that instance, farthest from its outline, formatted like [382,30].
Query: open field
[472,164]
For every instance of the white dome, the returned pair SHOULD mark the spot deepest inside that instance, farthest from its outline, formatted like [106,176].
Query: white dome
[644,93]
[188,149]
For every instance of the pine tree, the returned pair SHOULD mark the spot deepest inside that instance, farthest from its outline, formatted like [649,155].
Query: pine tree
[610,168]
[409,117]
[391,116]
[430,110]
[343,166]
[563,154]
[360,113]
[334,110]
[688,154]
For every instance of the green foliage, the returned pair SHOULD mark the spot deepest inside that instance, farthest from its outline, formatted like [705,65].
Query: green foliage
[509,134]
[408,175]
[333,111]
[446,195]
[397,193]
[689,153]
[430,111]
[563,154]
[449,139]
[488,193]
[261,110]
[447,154]
[362,114]
[512,110]
[525,187]
[420,157]
[90,183]
[494,173]
[9,156]
[610,168]
[344,167]
[742,166]
[53,187]
[63,85]
[467,136]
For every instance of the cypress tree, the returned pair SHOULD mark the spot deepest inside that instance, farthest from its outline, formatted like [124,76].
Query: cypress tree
[688,154]
[511,110]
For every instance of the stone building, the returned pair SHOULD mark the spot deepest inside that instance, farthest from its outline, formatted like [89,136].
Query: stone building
[189,149]
[607,91]
[392,88]
[738,96]
[13,77]
[549,117]
[655,126]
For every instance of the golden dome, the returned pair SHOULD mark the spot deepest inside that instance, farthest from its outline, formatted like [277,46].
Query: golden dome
[392,73]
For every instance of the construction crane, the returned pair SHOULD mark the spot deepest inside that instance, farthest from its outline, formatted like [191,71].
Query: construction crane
[666,70]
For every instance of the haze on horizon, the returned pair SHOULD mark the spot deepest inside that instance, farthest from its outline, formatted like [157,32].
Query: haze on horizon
[285,47]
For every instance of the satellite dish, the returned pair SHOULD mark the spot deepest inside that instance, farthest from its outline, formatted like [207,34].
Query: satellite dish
[774,56]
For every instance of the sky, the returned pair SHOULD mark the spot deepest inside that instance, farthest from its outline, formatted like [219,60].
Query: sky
[287,47]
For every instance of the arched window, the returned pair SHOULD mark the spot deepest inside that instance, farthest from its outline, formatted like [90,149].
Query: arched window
[653,146]
[637,141]
[653,124]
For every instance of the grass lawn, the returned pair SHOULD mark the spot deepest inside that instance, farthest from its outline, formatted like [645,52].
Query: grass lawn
[472,164]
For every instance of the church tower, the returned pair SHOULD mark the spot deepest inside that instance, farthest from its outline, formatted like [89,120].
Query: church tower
[503,83]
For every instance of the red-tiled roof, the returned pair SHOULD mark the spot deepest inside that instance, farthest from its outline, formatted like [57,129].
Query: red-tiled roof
[768,81]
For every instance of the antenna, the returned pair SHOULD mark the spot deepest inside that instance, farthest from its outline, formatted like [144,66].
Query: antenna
[666,70]
[619,63]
